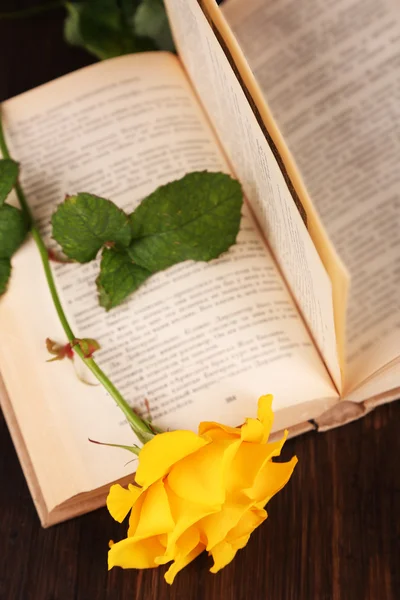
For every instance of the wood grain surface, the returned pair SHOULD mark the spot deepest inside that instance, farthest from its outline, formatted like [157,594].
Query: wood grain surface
[332,534]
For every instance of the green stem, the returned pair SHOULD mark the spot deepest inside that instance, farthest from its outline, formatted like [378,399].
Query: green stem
[135,421]
[30,12]
[44,255]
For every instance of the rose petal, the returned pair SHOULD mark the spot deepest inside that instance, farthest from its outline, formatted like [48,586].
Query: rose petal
[121,500]
[252,431]
[248,461]
[131,554]
[246,525]
[265,414]
[180,563]
[188,541]
[135,515]
[217,430]
[164,450]
[216,526]
[270,480]
[155,516]
[186,514]
[222,554]
[200,478]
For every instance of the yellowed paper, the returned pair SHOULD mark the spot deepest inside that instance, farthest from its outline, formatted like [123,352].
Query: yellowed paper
[330,73]
[257,168]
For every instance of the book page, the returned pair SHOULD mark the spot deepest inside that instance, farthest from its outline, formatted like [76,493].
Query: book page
[384,381]
[331,74]
[264,182]
[199,341]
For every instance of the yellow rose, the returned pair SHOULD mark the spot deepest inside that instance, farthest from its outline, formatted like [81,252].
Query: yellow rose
[198,492]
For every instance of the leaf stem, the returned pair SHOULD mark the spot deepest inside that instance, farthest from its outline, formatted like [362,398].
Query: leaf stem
[30,12]
[134,420]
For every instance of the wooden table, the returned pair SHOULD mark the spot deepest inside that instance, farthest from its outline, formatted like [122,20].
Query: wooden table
[332,534]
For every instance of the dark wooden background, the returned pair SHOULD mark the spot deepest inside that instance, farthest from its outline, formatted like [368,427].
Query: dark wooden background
[332,534]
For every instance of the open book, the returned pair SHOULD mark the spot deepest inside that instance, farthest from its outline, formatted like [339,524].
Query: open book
[204,341]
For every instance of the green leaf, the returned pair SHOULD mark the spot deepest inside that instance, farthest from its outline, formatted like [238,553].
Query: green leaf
[13,229]
[128,8]
[118,278]
[194,218]
[151,20]
[103,28]
[72,33]
[82,224]
[5,271]
[8,177]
